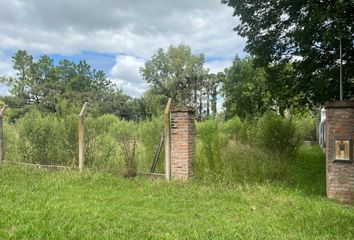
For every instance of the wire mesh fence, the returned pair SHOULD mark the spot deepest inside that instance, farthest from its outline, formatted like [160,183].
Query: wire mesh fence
[111,144]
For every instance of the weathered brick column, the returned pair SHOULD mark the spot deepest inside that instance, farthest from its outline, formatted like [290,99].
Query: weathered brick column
[182,143]
[339,151]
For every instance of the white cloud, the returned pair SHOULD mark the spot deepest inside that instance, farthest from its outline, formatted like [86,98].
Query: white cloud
[134,28]
[125,73]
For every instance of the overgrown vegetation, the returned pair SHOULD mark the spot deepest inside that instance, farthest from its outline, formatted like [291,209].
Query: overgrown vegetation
[258,150]
[111,144]
[39,204]
[234,150]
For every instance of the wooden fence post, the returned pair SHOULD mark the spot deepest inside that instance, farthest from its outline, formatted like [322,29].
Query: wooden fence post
[81,137]
[167,138]
[2,151]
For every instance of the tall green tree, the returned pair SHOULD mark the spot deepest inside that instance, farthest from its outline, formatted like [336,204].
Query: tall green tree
[211,91]
[283,88]
[22,63]
[176,73]
[306,33]
[43,84]
[245,89]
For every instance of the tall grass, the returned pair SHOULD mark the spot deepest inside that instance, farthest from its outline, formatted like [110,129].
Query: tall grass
[52,139]
[251,150]
[248,150]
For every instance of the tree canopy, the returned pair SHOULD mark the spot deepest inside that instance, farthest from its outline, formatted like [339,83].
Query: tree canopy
[175,73]
[305,33]
[179,74]
[245,89]
[43,84]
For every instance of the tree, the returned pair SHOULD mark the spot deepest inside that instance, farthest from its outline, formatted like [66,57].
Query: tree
[283,88]
[153,103]
[305,33]
[42,84]
[245,89]
[22,63]
[176,73]
[210,91]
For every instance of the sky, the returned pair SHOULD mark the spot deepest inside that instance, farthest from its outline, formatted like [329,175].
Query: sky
[117,36]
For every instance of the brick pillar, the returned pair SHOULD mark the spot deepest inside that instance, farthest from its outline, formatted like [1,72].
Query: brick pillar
[339,151]
[182,143]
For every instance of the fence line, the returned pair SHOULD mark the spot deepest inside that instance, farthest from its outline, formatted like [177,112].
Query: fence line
[44,166]
[81,136]
[61,167]
[2,152]
[167,138]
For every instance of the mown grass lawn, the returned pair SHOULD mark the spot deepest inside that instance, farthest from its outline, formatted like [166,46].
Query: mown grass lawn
[38,204]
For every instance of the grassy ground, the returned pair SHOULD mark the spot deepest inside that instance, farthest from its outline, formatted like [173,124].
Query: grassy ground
[38,204]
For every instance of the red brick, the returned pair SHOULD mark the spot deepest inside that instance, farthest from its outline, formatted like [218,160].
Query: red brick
[340,176]
[182,143]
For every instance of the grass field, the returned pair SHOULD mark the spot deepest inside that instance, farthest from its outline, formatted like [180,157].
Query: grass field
[39,204]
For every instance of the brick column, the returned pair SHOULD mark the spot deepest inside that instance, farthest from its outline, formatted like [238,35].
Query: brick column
[339,151]
[182,143]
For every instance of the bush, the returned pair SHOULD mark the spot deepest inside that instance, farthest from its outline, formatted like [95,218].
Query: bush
[125,133]
[101,145]
[219,157]
[110,143]
[149,134]
[233,128]
[306,125]
[211,143]
[44,139]
[11,143]
[277,134]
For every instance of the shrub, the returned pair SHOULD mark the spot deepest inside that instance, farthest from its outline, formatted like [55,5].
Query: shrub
[277,134]
[233,128]
[225,152]
[11,143]
[102,150]
[149,134]
[211,143]
[126,135]
[128,146]
[44,139]
[306,126]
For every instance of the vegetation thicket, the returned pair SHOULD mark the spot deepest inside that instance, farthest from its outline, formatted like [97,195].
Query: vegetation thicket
[225,150]
[260,149]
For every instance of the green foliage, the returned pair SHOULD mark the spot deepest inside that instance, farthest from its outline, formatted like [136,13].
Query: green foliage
[101,144]
[306,125]
[284,88]
[126,135]
[278,134]
[179,74]
[245,90]
[104,206]
[149,137]
[111,144]
[247,163]
[233,128]
[11,142]
[153,102]
[280,31]
[47,86]
[228,152]
[46,139]
[210,148]
[174,73]
[250,150]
